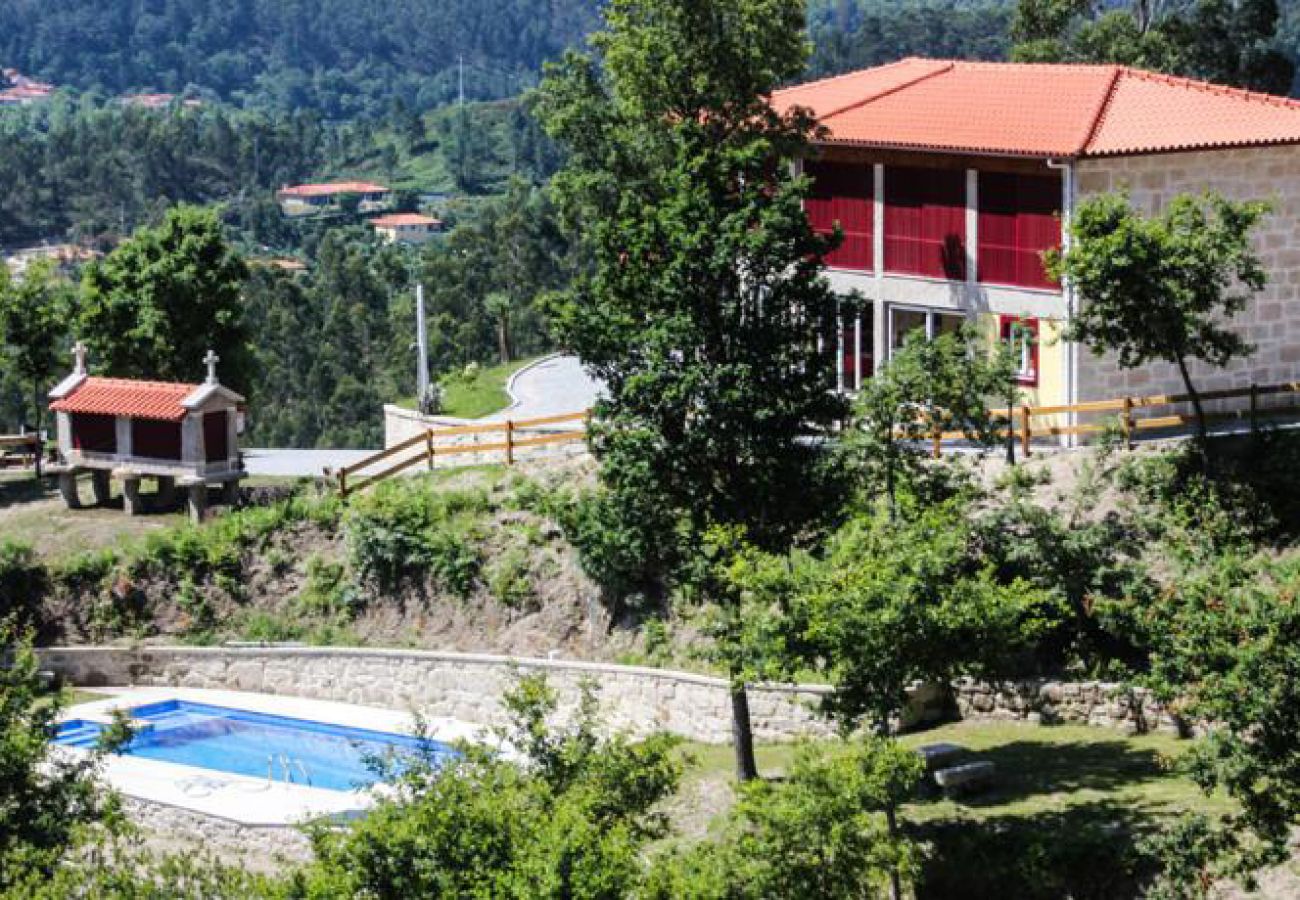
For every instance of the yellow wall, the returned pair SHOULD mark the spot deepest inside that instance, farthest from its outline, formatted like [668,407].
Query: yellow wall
[1050,390]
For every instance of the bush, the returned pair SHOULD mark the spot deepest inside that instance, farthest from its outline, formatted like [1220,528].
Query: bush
[23,581]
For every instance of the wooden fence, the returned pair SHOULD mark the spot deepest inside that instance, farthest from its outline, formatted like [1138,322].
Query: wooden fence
[1021,419]
[425,448]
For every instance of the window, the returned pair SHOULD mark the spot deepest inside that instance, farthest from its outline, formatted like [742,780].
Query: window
[927,323]
[842,193]
[1022,336]
[1019,220]
[925,222]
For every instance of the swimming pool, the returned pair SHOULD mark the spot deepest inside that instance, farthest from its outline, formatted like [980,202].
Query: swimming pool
[261,745]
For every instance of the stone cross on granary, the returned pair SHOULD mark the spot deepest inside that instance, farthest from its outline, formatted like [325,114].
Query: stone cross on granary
[211,360]
[79,354]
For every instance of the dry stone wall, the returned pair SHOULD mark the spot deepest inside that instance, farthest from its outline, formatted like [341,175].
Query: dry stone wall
[634,699]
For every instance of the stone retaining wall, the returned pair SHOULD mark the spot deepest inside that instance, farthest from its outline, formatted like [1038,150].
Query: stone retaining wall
[634,699]
[258,846]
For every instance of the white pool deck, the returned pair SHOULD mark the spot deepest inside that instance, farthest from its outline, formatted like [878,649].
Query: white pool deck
[249,801]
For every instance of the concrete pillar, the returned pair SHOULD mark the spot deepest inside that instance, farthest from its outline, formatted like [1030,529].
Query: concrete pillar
[198,501]
[132,501]
[192,439]
[100,485]
[68,489]
[166,496]
[63,427]
[124,438]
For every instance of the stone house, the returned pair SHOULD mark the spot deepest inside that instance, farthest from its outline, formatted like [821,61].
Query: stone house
[950,179]
[406,228]
[310,199]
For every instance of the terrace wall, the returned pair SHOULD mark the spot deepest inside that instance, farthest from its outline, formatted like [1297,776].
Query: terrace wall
[634,699]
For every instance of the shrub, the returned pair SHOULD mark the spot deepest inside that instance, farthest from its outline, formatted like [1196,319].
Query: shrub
[23,581]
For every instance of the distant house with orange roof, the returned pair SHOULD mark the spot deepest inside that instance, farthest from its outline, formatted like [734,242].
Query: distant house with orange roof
[309,199]
[949,180]
[406,228]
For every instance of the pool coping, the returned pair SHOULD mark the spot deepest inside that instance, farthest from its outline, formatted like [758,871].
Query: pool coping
[242,799]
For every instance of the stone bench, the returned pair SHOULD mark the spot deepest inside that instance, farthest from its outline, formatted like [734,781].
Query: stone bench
[939,755]
[965,778]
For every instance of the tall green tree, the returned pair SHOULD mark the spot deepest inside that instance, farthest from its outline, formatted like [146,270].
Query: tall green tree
[33,320]
[1163,287]
[1226,41]
[704,291]
[154,306]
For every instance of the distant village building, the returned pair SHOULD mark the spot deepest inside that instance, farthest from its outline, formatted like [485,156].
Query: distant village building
[179,435]
[17,89]
[311,199]
[155,101]
[406,228]
[949,181]
[66,257]
[282,263]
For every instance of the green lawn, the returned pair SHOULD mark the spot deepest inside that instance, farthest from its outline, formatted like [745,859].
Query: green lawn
[481,395]
[1041,771]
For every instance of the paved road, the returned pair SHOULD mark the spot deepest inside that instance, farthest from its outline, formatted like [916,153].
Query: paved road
[549,387]
[298,463]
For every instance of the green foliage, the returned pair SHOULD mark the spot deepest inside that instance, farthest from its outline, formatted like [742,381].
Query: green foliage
[33,320]
[855,34]
[1227,650]
[1232,43]
[508,578]
[819,834]
[49,802]
[1162,287]
[892,604]
[339,58]
[155,305]
[401,533]
[23,580]
[570,820]
[942,384]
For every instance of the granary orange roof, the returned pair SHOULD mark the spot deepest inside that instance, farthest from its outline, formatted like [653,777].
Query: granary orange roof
[395,219]
[122,397]
[333,187]
[1039,109]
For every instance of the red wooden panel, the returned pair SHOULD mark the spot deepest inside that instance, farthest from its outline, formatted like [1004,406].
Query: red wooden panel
[216,443]
[1019,220]
[153,439]
[925,222]
[843,193]
[94,433]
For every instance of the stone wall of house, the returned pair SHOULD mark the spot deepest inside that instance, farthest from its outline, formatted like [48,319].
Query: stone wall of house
[1272,321]
[634,699]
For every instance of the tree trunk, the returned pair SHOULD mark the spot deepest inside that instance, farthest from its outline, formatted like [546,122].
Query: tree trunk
[742,732]
[503,339]
[1202,431]
[40,444]
[895,879]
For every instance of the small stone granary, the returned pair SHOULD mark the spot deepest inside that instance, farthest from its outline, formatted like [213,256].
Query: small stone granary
[179,435]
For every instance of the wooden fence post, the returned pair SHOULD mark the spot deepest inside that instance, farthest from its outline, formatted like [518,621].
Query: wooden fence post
[343,482]
[428,447]
[1126,423]
[510,442]
[938,439]
[1026,432]
[1254,408]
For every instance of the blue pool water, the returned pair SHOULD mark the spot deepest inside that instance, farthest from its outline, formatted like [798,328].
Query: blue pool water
[245,743]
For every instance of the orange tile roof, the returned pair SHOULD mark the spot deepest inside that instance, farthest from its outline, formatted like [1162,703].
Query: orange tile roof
[1039,109]
[333,187]
[395,219]
[123,397]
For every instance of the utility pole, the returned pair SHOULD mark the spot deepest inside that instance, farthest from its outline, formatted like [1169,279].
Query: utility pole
[422,350]
[461,67]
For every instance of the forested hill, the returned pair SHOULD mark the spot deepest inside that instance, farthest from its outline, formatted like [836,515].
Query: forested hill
[341,57]
[353,58]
